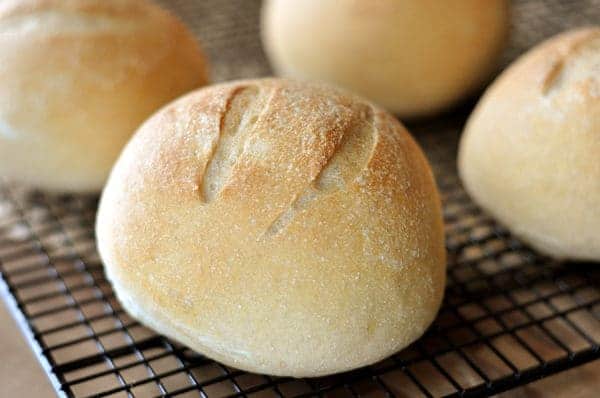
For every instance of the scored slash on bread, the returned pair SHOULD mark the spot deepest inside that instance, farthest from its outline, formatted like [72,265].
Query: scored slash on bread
[277,226]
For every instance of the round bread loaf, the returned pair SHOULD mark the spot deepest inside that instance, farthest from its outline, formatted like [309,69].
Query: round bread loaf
[414,57]
[76,80]
[530,154]
[276,226]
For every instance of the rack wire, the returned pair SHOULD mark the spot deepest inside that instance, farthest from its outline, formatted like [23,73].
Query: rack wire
[510,316]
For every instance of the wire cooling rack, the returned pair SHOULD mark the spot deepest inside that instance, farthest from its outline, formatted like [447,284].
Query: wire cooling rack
[509,317]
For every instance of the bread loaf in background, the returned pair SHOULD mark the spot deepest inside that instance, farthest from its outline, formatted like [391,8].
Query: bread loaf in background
[76,80]
[530,153]
[414,57]
[278,227]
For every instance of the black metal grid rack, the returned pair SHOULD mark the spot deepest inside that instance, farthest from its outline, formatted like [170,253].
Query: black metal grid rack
[509,317]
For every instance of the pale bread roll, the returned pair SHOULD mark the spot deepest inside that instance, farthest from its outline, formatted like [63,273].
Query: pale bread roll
[414,57]
[76,80]
[276,226]
[530,154]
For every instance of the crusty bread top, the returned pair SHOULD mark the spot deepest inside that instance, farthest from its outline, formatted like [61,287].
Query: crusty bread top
[76,16]
[415,57]
[147,32]
[567,63]
[277,226]
[334,137]
[78,77]
[575,63]
[529,153]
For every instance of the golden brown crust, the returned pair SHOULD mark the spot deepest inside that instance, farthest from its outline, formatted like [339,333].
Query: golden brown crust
[78,77]
[529,154]
[314,246]
[570,50]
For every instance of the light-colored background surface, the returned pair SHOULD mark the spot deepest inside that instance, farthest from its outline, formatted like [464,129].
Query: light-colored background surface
[21,375]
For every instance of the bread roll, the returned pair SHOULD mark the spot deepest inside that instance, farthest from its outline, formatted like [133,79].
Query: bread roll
[414,57]
[530,154]
[76,80]
[276,226]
